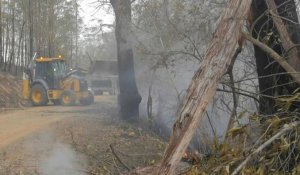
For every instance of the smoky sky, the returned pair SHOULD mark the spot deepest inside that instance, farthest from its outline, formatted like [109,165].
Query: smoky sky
[91,14]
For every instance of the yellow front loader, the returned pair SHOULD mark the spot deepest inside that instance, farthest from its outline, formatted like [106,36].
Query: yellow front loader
[47,79]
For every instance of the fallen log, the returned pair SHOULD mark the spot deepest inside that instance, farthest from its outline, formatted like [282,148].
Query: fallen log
[224,44]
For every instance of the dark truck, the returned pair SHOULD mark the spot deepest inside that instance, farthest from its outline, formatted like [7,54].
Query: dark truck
[104,77]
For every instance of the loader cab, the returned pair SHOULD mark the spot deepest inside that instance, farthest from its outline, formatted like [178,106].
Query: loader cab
[52,71]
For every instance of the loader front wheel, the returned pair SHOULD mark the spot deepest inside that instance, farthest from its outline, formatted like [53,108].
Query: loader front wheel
[67,98]
[38,95]
[87,100]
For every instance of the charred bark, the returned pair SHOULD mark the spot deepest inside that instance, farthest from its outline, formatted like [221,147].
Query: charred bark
[129,98]
[265,30]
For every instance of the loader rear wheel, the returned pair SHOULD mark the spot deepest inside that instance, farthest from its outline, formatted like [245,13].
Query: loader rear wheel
[38,95]
[87,100]
[67,98]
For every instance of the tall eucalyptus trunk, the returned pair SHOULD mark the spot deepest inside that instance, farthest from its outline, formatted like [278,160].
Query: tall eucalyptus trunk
[129,98]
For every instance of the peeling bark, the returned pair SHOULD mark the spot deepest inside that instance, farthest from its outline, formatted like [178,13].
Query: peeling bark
[220,52]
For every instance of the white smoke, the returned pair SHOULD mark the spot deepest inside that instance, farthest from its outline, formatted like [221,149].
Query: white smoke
[61,161]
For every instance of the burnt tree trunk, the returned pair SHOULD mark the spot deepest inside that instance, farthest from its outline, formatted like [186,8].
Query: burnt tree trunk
[129,98]
[274,83]
[217,59]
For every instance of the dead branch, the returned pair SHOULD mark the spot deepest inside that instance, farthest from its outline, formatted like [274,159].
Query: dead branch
[287,43]
[283,63]
[118,158]
[286,128]
[240,93]
[220,52]
[233,116]
[265,76]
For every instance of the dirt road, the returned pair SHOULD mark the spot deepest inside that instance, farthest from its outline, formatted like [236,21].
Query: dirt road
[17,124]
[73,140]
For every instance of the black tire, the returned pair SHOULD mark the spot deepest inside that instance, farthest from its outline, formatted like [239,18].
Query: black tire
[67,98]
[88,100]
[38,95]
[56,102]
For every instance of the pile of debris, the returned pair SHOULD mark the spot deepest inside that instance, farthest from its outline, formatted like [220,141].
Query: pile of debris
[10,92]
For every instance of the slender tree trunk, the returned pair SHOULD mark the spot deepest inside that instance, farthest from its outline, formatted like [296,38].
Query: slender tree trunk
[19,48]
[7,44]
[39,28]
[23,51]
[12,54]
[129,98]
[71,56]
[218,57]
[26,49]
[51,49]
[30,29]
[1,44]
[76,34]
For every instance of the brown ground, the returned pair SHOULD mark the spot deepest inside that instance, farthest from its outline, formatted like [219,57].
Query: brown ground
[10,92]
[57,140]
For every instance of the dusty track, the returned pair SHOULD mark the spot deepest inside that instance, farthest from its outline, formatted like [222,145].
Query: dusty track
[18,124]
[73,140]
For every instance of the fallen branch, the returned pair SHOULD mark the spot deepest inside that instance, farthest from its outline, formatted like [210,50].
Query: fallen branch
[118,158]
[281,61]
[286,128]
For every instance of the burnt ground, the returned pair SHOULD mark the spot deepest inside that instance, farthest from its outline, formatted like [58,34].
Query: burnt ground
[74,140]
